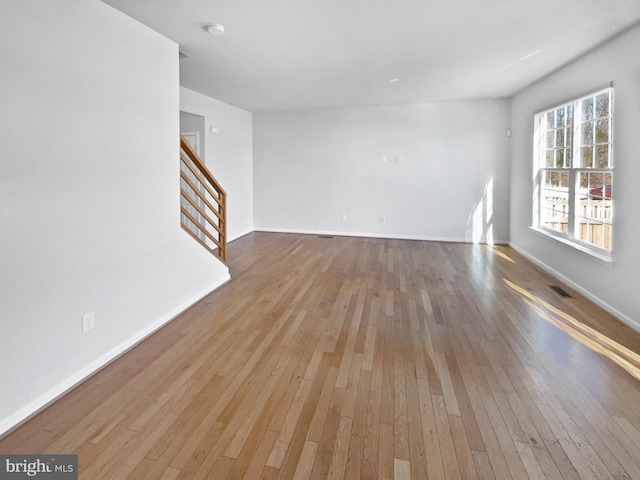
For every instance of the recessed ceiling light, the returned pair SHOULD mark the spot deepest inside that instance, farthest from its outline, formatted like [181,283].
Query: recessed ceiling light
[214,29]
[394,80]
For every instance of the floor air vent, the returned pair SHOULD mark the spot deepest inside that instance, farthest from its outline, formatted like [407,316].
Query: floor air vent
[560,291]
[325,236]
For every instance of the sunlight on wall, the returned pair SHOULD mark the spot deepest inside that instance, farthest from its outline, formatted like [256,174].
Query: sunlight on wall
[482,218]
[478,223]
[536,172]
[586,335]
[534,202]
[488,196]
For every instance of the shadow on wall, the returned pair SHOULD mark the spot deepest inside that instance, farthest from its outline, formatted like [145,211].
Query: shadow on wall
[479,227]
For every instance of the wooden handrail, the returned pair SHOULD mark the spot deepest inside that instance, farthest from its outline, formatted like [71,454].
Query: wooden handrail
[193,156]
[203,181]
[201,193]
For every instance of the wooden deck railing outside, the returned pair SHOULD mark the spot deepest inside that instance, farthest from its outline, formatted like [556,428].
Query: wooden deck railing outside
[203,203]
[593,219]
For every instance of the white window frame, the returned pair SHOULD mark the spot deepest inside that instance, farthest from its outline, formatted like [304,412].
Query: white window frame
[573,169]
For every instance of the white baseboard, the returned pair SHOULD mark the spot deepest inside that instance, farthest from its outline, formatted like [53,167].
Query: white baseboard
[371,235]
[16,419]
[578,288]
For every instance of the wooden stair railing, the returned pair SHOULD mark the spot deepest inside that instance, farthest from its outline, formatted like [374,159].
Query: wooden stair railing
[203,203]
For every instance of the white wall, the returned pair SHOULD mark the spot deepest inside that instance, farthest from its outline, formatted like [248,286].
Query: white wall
[89,195]
[228,154]
[312,166]
[614,285]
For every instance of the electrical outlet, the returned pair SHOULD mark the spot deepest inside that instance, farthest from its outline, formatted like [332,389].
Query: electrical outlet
[383,219]
[398,158]
[88,322]
[344,217]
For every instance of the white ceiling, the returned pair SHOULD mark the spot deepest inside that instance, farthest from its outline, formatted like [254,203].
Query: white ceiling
[293,54]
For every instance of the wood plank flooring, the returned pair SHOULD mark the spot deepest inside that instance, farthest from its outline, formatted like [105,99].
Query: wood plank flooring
[363,358]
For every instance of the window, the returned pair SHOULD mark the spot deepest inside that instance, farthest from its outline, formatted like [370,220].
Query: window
[573,166]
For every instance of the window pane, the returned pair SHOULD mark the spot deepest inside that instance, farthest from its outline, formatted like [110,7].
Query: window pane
[598,210]
[583,181]
[587,109]
[602,156]
[554,199]
[550,139]
[586,137]
[555,218]
[549,159]
[559,158]
[560,137]
[581,229]
[595,180]
[550,120]
[586,156]
[560,117]
[596,234]
[593,203]
[607,211]
[582,187]
[568,156]
[602,104]
[556,181]
[602,131]
[568,135]
[560,182]
[569,115]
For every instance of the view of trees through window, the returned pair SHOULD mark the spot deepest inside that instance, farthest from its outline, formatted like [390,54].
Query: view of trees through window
[574,164]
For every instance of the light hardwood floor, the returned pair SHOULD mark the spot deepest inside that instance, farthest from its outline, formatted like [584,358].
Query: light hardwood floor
[363,358]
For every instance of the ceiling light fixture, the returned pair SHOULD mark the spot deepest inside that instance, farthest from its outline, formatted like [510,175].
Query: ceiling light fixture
[214,29]
[394,80]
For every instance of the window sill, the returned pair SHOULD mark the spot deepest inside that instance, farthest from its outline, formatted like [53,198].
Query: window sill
[603,257]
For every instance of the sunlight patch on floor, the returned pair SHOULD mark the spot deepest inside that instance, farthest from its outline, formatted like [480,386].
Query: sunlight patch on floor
[500,254]
[586,335]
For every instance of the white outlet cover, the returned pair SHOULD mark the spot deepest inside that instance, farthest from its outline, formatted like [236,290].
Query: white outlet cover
[88,322]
